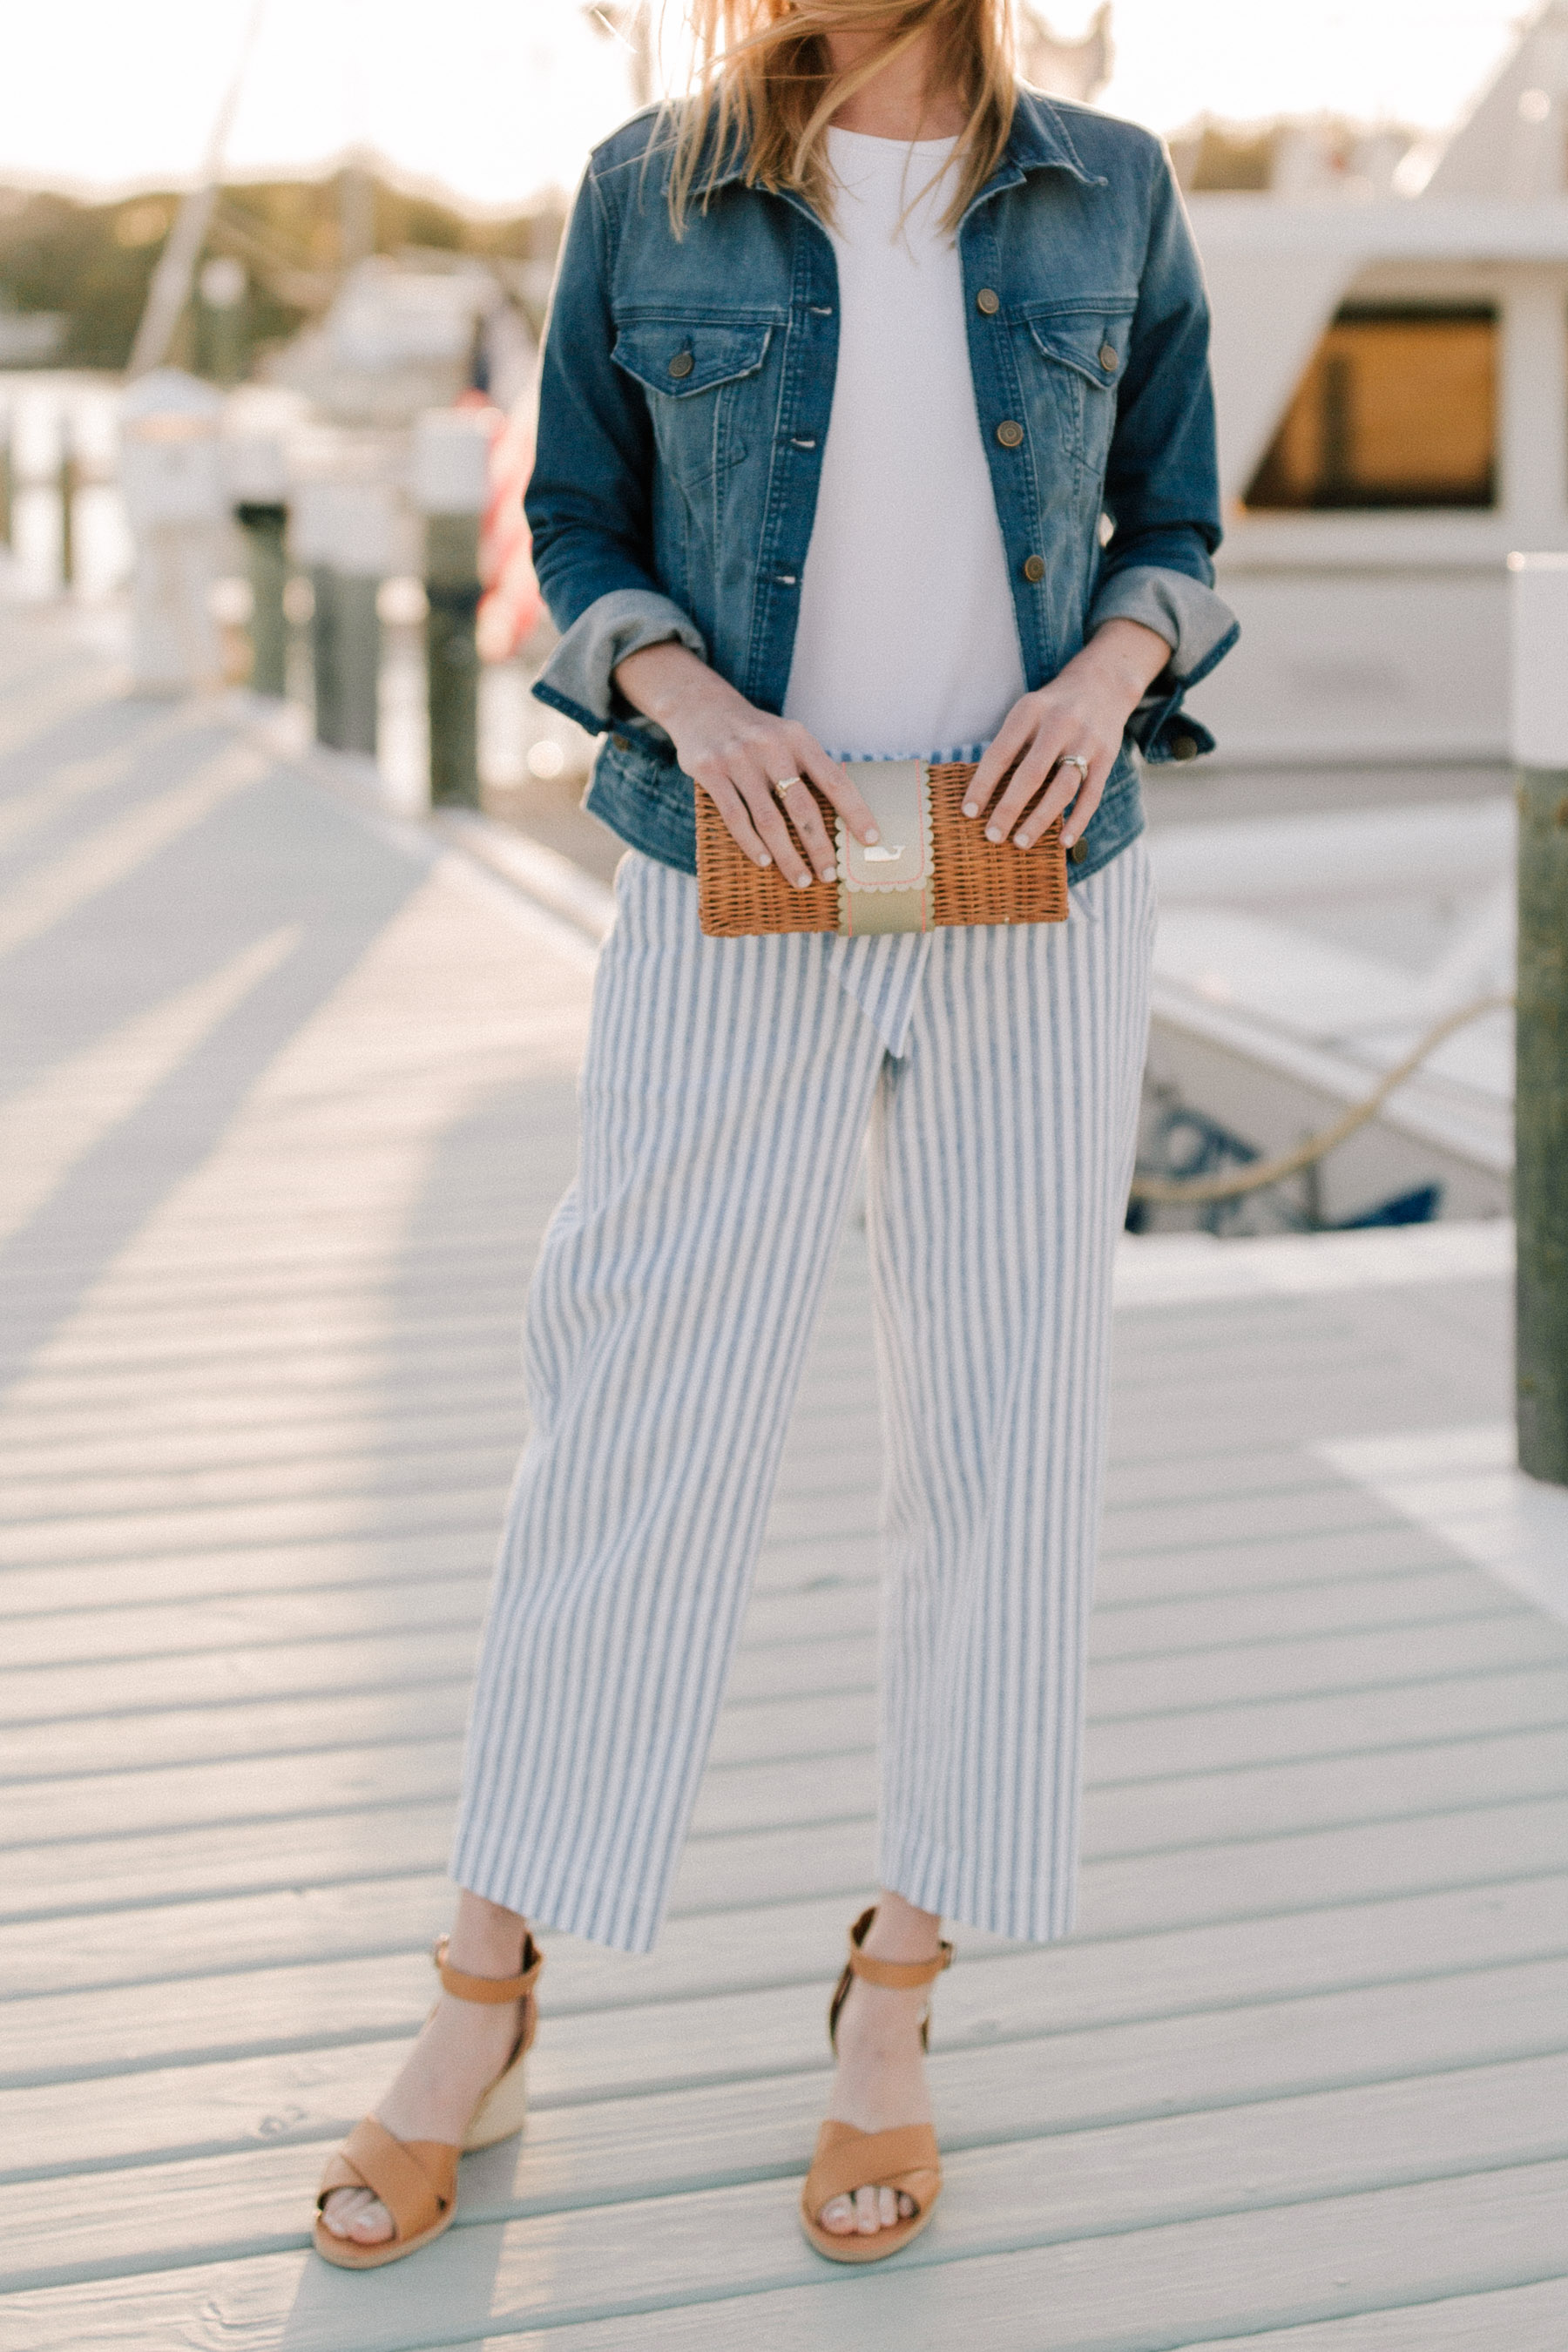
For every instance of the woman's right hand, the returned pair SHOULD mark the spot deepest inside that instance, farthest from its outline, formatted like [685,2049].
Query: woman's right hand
[737,754]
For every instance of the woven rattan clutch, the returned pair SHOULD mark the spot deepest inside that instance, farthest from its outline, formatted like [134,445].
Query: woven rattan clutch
[933,866]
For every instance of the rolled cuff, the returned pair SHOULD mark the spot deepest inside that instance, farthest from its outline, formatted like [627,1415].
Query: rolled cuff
[1198,626]
[578,677]
[1200,629]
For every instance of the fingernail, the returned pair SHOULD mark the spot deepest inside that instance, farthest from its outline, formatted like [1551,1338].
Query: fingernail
[870,836]
[803,881]
[970,809]
[1021,840]
[1067,840]
[992,833]
[830,873]
[763,859]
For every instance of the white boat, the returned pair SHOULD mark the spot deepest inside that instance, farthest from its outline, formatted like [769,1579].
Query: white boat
[1392,381]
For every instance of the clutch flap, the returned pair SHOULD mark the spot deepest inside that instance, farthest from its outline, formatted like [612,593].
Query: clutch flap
[895,792]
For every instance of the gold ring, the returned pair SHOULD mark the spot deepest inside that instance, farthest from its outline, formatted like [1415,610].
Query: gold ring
[785,783]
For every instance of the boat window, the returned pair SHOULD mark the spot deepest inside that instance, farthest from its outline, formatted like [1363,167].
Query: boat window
[1397,409]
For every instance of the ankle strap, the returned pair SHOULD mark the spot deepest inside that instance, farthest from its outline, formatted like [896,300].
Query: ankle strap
[894,1976]
[490,1989]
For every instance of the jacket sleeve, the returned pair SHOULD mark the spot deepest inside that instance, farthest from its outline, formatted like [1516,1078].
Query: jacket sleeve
[1161,484]
[589,498]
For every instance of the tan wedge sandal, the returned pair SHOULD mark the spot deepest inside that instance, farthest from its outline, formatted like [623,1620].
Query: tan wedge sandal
[905,2159]
[416,2179]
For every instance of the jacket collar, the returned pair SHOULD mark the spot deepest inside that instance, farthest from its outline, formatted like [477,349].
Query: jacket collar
[1038,141]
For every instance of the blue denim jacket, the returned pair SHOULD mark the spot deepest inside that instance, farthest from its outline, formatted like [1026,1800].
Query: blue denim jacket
[684,399]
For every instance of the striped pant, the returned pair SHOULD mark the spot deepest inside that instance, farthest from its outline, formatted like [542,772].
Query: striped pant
[727,1089]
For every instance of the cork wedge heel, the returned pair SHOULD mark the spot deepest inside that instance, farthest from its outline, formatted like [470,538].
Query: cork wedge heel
[416,2179]
[905,2159]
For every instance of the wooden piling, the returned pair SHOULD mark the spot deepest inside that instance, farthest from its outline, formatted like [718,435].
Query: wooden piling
[68,490]
[256,474]
[1539,586]
[264,523]
[451,460]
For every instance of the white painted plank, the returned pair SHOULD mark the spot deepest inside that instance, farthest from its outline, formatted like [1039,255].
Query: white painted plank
[736,2257]
[1261,2153]
[321,1844]
[1135,1812]
[1243,1878]
[383,1989]
[1193,1740]
[829,1610]
[1521,2319]
[1499,1633]
[1059,2082]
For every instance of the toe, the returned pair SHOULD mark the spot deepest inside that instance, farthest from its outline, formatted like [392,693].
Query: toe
[867,2211]
[372,2226]
[837,2215]
[340,2208]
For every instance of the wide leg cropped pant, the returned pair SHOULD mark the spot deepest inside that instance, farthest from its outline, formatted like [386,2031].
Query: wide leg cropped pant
[727,1090]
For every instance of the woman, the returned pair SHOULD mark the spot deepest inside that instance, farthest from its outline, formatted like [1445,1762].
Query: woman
[875,421]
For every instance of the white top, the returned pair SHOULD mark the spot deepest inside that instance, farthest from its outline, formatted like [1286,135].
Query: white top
[906,644]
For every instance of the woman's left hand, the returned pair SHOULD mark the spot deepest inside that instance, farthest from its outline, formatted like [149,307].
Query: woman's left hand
[1082,714]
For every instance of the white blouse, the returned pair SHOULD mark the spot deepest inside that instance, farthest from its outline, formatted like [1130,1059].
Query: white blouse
[906,644]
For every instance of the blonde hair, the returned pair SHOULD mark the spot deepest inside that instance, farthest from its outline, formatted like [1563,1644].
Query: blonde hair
[763,89]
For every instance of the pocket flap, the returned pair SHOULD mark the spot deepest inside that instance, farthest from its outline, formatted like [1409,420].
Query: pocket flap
[681,356]
[1093,344]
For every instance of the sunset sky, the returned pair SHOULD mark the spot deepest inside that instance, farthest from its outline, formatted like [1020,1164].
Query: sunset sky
[496,98]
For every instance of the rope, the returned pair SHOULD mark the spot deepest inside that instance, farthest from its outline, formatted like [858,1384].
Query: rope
[1253,1179]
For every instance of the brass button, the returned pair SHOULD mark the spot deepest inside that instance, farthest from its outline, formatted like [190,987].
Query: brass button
[1079,852]
[988,300]
[1034,567]
[1184,748]
[682,363]
[1009,434]
[1108,358]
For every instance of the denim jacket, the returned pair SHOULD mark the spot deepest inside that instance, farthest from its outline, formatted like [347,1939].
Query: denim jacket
[684,398]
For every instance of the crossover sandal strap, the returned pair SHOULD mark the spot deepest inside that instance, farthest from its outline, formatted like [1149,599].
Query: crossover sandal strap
[416,2179]
[906,2158]
[490,1989]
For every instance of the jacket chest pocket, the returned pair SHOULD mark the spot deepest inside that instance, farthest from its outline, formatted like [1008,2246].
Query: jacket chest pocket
[1074,359]
[701,379]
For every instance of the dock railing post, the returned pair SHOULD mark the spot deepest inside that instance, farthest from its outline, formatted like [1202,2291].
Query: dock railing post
[363,526]
[67,484]
[256,475]
[450,481]
[1538,585]
[311,545]
[170,475]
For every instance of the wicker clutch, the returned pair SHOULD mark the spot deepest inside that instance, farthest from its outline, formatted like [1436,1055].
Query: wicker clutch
[932,865]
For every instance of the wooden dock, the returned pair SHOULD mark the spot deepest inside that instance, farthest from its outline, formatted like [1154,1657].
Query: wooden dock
[286,1098]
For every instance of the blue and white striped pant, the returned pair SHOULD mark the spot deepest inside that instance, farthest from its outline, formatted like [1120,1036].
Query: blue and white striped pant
[727,1089]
